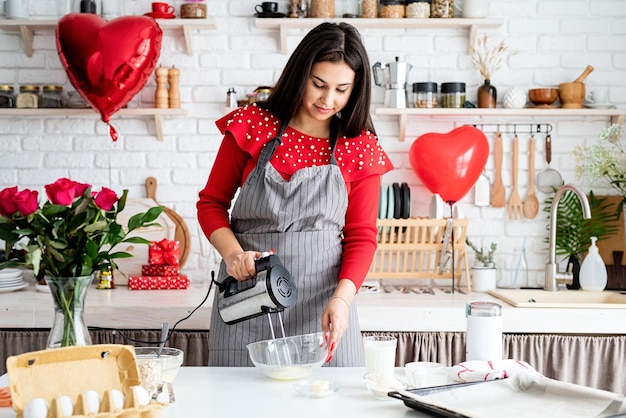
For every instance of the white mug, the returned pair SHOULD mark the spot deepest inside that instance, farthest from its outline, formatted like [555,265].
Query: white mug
[597,96]
[475,8]
[16,9]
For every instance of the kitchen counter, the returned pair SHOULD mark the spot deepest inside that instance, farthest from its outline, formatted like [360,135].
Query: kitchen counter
[245,392]
[122,308]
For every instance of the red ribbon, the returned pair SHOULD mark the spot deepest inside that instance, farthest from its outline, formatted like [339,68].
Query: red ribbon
[164,252]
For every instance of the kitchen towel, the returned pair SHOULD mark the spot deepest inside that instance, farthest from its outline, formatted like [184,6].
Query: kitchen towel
[479,370]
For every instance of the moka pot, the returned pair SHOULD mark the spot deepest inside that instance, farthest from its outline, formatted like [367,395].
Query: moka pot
[394,77]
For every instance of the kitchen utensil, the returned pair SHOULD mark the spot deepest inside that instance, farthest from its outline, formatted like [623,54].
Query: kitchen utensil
[394,79]
[572,95]
[531,203]
[549,178]
[181,233]
[581,78]
[289,358]
[543,97]
[498,194]
[270,291]
[515,202]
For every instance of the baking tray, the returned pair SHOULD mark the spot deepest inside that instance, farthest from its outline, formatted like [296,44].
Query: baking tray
[434,410]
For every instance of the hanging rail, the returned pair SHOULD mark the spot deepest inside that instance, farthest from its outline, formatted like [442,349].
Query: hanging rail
[514,128]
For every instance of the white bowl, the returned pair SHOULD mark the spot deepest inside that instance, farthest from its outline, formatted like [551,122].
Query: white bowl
[289,358]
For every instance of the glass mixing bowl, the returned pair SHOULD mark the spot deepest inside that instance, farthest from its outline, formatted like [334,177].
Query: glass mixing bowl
[289,358]
[166,365]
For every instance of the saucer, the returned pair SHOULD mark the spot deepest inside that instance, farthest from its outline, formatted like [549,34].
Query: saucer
[599,105]
[159,15]
[269,15]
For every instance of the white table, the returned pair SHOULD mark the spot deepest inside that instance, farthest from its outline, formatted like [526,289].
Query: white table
[245,392]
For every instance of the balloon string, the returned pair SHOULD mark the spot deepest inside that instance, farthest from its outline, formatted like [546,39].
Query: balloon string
[452,238]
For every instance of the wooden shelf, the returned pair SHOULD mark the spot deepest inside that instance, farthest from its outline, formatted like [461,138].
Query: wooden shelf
[158,114]
[27,29]
[471,24]
[616,115]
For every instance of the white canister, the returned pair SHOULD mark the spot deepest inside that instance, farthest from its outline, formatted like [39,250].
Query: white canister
[474,9]
[483,340]
[16,9]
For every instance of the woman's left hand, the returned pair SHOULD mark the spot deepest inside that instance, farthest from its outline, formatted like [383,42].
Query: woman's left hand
[335,322]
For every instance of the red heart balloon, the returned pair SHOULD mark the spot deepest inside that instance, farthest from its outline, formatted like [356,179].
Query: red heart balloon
[449,164]
[108,62]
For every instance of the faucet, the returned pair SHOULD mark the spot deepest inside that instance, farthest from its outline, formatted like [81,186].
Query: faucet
[552,274]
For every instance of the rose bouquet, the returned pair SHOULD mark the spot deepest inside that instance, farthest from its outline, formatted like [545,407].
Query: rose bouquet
[69,237]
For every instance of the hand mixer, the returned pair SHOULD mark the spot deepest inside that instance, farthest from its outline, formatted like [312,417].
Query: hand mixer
[270,291]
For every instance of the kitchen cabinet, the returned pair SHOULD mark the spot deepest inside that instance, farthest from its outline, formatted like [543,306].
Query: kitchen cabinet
[616,115]
[472,25]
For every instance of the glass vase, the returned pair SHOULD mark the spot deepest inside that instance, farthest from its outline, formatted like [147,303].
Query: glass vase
[487,95]
[68,295]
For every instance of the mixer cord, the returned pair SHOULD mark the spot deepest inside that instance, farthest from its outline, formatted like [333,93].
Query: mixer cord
[171,331]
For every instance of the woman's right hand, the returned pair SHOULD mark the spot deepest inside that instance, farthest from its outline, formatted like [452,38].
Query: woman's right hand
[241,265]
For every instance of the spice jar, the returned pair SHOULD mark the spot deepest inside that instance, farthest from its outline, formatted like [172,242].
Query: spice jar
[76,101]
[369,9]
[262,93]
[442,8]
[28,98]
[425,95]
[391,9]
[453,95]
[7,97]
[323,8]
[52,97]
[418,9]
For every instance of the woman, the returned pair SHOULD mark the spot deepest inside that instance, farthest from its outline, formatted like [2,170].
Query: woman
[308,166]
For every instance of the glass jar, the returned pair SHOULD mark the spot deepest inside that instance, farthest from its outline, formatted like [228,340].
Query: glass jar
[52,97]
[369,9]
[425,95]
[322,8]
[350,9]
[453,95]
[76,101]
[7,97]
[418,9]
[391,9]
[28,97]
[442,8]
[262,93]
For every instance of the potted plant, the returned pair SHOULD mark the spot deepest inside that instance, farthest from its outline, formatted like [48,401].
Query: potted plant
[484,273]
[574,232]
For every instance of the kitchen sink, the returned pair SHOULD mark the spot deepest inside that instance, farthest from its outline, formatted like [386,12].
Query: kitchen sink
[539,298]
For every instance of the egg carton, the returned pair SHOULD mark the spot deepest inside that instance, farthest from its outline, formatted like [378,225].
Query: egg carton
[50,377]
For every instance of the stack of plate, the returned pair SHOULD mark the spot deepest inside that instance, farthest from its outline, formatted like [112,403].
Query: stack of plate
[11,280]
[395,201]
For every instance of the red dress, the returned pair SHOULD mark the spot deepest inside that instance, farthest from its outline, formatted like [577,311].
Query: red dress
[361,160]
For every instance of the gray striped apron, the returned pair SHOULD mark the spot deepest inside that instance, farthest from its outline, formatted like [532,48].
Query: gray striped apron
[302,219]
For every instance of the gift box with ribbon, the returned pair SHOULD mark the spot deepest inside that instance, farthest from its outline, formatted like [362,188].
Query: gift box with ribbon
[157,282]
[159,270]
[164,252]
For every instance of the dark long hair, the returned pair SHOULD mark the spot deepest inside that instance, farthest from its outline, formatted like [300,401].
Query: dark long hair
[334,42]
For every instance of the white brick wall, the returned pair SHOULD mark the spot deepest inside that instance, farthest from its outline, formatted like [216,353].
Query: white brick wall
[554,40]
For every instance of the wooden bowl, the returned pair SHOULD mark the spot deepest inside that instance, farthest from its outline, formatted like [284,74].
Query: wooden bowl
[543,97]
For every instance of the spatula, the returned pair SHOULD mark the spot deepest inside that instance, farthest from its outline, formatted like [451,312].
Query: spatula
[531,203]
[515,202]
[498,195]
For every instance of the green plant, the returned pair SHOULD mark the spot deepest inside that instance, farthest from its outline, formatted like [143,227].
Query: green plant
[573,231]
[483,256]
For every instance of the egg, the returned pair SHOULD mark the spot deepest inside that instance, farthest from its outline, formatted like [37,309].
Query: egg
[67,406]
[36,408]
[91,401]
[117,399]
[141,396]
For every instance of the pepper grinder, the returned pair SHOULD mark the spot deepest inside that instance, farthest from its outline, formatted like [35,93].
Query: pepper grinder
[174,93]
[161,94]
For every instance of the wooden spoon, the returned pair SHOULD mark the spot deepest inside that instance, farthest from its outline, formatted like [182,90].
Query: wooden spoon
[584,75]
[498,195]
[531,203]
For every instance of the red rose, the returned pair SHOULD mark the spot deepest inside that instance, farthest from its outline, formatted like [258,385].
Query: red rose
[7,205]
[26,201]
[62,191]
[105,199]
[80,188]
